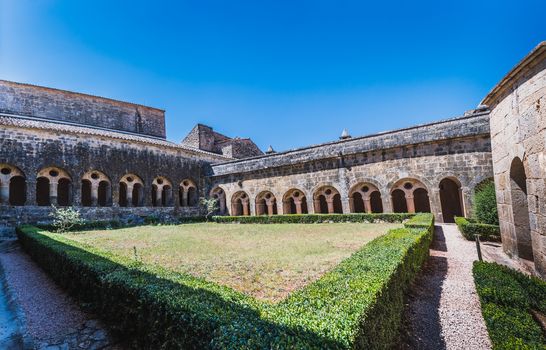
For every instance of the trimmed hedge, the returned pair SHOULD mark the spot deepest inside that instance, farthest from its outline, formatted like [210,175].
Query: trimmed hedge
[313,218]
[358,304]
[507,298]
[469,229]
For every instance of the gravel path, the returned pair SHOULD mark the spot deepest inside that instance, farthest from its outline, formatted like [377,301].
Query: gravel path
[443,309]
[51,319]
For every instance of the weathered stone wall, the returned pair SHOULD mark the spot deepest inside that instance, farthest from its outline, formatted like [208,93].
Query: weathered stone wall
[456,149]
[518,132]
[43,102]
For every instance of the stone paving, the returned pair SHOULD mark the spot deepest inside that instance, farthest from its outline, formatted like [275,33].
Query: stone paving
[49,318]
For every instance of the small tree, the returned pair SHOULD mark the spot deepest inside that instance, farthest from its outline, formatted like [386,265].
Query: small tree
[210,205]
[485,204]
[64,219]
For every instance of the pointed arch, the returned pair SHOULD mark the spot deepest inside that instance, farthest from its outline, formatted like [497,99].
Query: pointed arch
[96,189]
[327,200]
[365,197]
[12,185]
[131,191]
[266,203]
[188,195]
[240,204]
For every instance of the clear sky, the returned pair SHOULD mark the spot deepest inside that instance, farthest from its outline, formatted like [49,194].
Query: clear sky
[285,73]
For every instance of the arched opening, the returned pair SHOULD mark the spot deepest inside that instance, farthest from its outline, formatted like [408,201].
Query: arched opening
[266,204]
[450,199]
[42,191]
[161,192]
[188,196]
[421,200]
[64,192]
[358,203]
[86,193]
[122,194]
[294,202]
[166,196]
[399,204]
[240,204]
[131,191]
[520,209]
[376,202]
[138,191]
[220,196]
[327,201]
[17,191]
[104,194]
[154,196]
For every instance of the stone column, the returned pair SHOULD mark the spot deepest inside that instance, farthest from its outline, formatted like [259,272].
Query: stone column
[94,194]
[367,205]
[158,196]
[4,192]
[269,208]
[184,197]
[352,204]
[316,205]
[245,205]
[330,203]
[129,195]
[53,187]
[222,205]
[409,203]
[297,202]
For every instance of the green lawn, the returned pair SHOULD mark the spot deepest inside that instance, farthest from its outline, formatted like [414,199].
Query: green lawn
[265,261]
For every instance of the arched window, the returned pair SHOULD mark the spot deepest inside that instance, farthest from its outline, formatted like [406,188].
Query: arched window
[365,198]
[240,204]
[161,192]
[12,185]
[294,202]
[410,196]
[266,204]
[131,191]
[188,194]
[96,189]
[327,201]
[53,187]
[219,194]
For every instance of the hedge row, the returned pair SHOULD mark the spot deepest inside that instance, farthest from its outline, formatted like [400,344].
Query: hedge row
[469,229]
[507,298]
[358,304]
[313,218]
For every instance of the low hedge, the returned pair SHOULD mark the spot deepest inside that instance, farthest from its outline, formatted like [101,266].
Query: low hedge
[313,218]
[507,298]
[469,229]
[358,304]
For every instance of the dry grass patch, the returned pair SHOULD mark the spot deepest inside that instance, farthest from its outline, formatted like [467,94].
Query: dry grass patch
[265,261]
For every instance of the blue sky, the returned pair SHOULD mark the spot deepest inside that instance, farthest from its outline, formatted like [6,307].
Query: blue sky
[285,73]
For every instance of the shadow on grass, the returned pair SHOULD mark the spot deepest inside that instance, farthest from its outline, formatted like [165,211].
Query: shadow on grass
[153,311]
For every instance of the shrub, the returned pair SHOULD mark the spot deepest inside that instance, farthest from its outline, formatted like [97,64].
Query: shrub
[314,218]
[358,304]
[65,219]
[485,204]
[470,229]
[507,296]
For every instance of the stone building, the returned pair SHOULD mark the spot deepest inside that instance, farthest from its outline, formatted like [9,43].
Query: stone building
[518,137]
[111,159]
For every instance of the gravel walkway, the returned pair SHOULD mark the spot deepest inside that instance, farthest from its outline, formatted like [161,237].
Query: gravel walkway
[50,318]
[443,309]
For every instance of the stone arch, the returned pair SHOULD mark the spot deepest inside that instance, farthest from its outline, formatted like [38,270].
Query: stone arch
[96,189]
[162,192]
[365,197]
[451,198]
[415,196]
[220,195]
[12,185]
[294,202]
[266,203]
[188,194]
[240,204]
[520,209]
[327,200]
[53,187]
[131,191]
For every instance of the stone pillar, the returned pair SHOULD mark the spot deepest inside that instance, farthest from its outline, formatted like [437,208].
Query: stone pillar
[297,202]
[245,205]
[222,205]
[367,205]
[158,196]
[114,190]
[330,203]
[129,195]
[53,186]
[184,197]
[4,192]
[269,208]
[31,191]
[409,203]
[352,204]
[260,208]
[316,205]
[94,194]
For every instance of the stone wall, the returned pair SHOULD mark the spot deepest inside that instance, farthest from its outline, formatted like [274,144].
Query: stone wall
[518,132]
[43,102]
[456,149]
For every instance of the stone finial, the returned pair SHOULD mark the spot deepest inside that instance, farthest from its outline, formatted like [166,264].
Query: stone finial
[345,135]
[270,150]
[482,108]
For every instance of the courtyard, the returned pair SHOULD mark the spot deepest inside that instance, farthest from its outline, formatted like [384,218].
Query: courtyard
[265,261]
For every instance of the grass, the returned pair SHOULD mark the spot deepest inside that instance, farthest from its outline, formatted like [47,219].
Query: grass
[267,262]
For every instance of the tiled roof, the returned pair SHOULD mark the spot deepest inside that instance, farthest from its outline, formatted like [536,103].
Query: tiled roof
[72,128]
